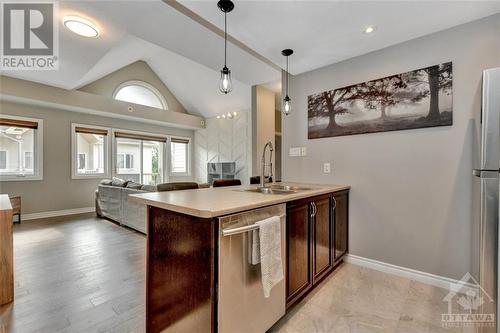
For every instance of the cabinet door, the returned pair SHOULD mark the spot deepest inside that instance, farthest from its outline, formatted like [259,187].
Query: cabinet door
[322,231]
[340,206]
[299,279]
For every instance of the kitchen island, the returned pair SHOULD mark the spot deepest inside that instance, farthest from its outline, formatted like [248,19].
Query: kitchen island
[194,268]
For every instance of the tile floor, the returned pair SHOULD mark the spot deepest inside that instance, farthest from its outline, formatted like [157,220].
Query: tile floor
[360,300]
[87,275]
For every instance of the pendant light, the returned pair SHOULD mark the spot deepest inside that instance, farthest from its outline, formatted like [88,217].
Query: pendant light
[287,103]
[225,84]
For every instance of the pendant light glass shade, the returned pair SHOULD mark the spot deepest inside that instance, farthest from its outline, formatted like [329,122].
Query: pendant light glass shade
[287,102]
[287,105]
[225,85]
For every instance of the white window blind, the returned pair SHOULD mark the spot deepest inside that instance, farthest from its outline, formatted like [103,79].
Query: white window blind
[179,155]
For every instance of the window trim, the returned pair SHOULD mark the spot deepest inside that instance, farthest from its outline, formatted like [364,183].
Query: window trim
[188,157]
[146,85]
[74,153]
[37,151]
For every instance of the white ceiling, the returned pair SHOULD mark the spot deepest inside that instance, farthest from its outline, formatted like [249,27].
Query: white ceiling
[325,32]
[187,56]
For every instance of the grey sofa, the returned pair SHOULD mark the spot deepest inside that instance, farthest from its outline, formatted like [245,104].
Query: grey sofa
[112,202]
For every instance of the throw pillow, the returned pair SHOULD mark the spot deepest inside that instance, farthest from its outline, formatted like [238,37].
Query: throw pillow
[106,182]
[119,182]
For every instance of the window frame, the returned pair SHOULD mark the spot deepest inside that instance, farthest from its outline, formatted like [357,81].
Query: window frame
[145,85]
[165,152]
[37,152]
[74,153]
[188,157]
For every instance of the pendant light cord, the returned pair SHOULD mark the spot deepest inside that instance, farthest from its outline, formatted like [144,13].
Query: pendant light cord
[287,75]
[225,38]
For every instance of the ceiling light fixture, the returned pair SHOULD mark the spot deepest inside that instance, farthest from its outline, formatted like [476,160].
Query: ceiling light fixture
[229,115]
[81,26]
[369,30]
[225,85]
[287,102]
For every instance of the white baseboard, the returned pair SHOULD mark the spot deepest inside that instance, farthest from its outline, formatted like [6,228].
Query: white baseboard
[412,274]
[43,215]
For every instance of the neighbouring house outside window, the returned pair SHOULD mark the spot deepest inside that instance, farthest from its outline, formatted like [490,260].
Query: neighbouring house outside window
[90,151]
[21,148]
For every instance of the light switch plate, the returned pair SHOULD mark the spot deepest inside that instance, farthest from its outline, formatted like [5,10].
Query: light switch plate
[327,168]
[303,151]
[294,151]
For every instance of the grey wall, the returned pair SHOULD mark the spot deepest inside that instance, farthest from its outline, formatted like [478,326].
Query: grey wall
[411,190]
[139,71]
[57,191]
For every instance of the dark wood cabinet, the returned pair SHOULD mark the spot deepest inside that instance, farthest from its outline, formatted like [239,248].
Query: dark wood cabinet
[322,230]
[317,234]
[340,203]
[299,279]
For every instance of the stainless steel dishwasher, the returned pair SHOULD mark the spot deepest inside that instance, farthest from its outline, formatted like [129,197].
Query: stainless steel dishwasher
[242,306]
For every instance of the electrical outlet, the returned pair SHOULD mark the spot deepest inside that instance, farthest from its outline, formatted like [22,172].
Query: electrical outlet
[303,151]
[326,168]
[294,151]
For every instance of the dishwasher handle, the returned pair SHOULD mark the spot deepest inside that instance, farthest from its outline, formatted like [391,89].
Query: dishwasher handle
[240,230]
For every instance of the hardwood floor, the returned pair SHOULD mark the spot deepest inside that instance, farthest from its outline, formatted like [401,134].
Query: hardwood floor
[80,274]
[83,274]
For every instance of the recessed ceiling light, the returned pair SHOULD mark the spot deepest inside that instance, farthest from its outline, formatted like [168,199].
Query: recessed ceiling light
[81,26]
[369,29]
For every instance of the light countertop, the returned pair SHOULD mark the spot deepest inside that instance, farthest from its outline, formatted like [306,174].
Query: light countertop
[213,202]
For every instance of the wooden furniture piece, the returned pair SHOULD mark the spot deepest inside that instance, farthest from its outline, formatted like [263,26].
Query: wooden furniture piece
[16,207]
[6,251]
[226,182]
[317,240]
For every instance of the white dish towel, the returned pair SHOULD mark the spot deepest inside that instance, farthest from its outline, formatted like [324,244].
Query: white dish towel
[254,248]
[271,265]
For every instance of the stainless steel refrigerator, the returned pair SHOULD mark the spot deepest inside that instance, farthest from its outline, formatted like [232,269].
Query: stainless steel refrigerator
[488,174]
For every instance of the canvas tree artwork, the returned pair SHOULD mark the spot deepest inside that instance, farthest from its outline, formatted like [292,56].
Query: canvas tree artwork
[416,99]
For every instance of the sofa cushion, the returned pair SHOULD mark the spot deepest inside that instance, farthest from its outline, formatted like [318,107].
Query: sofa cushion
[106,182]
[176,186]
[134,185]
[119,182]
[149,188]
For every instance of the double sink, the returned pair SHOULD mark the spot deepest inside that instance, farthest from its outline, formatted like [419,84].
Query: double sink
[277,189]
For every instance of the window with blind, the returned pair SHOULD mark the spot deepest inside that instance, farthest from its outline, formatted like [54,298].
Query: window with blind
[90,146]
[179,154]
[20,148]
[140,157]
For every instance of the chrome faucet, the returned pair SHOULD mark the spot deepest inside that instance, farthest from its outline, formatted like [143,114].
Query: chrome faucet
[270,145]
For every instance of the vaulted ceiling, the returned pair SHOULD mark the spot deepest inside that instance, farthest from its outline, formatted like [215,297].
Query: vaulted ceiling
[326,32]
[187,55]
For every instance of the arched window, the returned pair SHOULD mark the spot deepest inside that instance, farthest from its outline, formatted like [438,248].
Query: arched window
[139,92]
